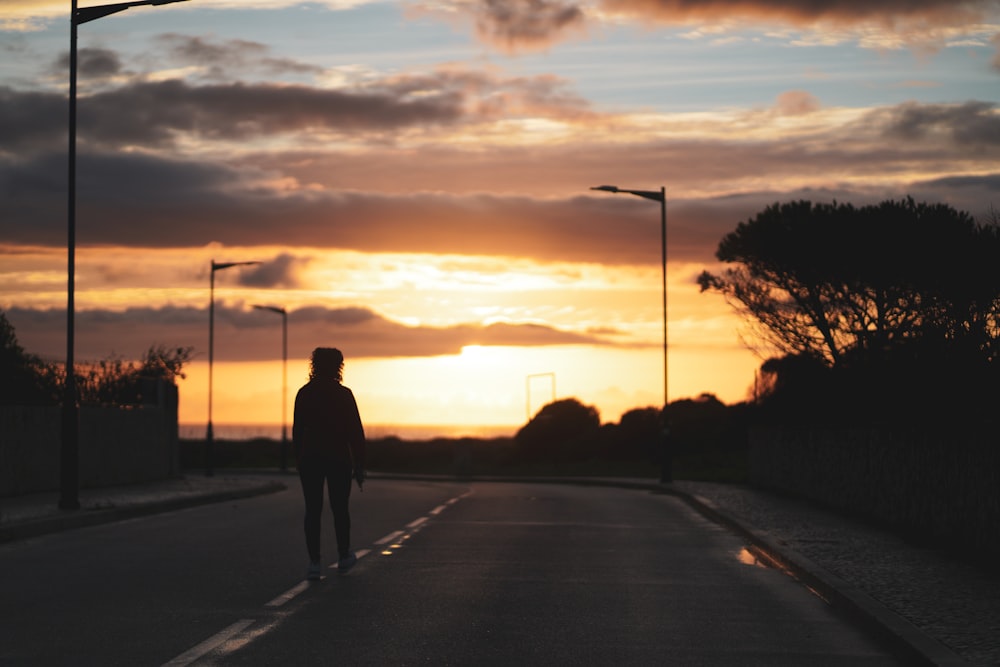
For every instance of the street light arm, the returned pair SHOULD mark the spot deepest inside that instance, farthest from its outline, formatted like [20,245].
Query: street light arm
[86,14]
[655,195]
[216,266]
[273,309]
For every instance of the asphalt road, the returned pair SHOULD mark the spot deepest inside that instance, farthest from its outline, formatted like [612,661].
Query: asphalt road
[453,574]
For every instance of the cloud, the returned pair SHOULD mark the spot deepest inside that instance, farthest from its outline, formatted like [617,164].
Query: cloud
[807,12]
[91,63]
[282,271]
[222,59]
[430,196]
[796,103]
[520,25]
[525,24]
[162,114]
[31,121]
[244,334]
[28,15]
[969,124]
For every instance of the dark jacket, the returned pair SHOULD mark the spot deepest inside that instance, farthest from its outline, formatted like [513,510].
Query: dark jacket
[327,426]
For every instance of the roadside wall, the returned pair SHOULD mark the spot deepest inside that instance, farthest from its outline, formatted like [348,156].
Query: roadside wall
[943,486]
[117,445]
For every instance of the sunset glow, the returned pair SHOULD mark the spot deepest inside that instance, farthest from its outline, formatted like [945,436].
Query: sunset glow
[415,180]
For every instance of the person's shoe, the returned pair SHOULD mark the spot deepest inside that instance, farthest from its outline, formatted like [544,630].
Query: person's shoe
[347,562]
[315,572]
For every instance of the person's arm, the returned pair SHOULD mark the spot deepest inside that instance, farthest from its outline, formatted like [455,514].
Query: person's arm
[297,427]
[356,437]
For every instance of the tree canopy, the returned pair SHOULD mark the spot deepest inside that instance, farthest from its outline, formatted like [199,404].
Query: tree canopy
[888,288]
[24,378]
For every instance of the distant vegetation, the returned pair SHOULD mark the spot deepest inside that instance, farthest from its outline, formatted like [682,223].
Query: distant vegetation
[27,380]
[708,441]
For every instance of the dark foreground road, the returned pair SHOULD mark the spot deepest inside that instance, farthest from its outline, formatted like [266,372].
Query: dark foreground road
[455,574]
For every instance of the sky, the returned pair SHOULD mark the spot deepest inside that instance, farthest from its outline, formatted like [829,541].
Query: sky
[414,178]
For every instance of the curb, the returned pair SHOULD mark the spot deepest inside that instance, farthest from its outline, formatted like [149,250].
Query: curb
[909,642]
[86,518]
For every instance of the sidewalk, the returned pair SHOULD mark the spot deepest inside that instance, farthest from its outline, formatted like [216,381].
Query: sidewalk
[936,609]
[36,514]
[939,609]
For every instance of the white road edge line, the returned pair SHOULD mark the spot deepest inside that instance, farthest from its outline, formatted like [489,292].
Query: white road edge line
[206,646]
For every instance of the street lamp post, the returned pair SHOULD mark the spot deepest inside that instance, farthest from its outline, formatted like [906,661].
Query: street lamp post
[69,451]
[209,433]
[284,380]
[666,473]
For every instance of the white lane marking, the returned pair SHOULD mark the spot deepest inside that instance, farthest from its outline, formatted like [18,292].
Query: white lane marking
[219,638]
[288,595]
[206,646]
[390,537]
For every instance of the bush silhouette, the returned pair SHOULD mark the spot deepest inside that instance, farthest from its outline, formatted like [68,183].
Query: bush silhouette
[565,430]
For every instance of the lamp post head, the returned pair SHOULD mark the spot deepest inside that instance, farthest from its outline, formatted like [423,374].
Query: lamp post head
[87,14]
[273,309]
[216,266]
[655,195]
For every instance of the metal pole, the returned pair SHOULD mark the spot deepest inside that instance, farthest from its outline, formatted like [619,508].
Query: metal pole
[666,468]
[284,390]
[69,451]
[209,435]
[666,473]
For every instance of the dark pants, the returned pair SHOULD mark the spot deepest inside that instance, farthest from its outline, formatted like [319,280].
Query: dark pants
[337,477]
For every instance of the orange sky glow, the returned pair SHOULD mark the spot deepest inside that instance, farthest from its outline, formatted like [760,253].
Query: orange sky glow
[414,179]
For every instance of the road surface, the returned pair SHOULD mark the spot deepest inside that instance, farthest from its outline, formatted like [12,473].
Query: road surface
[452,574]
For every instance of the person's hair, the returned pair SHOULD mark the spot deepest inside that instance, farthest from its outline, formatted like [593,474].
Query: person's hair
[327,363]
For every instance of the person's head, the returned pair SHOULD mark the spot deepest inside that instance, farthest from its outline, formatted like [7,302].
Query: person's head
[327,363]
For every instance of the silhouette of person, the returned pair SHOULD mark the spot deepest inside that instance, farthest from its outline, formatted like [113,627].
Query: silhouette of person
[329,443]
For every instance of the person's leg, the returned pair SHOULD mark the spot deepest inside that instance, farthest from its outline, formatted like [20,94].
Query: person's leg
[339,482]
[312,492]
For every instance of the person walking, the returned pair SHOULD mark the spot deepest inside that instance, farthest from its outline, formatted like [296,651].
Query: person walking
[329,443]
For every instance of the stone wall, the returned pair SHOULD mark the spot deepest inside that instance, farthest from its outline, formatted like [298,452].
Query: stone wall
[116,445]
[945,486]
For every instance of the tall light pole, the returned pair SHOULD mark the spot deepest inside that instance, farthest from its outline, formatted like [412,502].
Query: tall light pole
[69,451]
[284,380]
[527,391]
[209,433]
[666,473]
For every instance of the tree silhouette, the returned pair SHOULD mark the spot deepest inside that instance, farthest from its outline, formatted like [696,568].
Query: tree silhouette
[24,378]
[27,380]
[897,295]
[562,430]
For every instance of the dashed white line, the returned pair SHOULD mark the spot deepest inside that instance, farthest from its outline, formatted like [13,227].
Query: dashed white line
[209,644]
